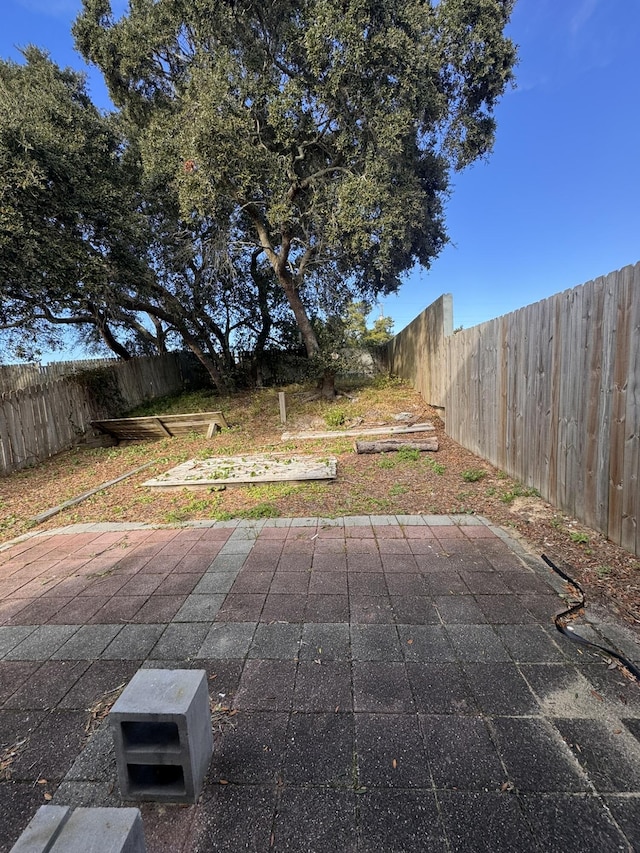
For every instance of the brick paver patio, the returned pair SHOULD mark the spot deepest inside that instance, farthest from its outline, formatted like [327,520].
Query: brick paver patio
[399,686]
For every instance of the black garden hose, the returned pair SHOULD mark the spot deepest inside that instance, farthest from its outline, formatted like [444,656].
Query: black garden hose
[560,619]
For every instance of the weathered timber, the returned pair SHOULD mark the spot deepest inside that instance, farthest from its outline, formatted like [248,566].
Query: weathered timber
[391,444]
[45,516]
[341,433]
[39,420]
[162,426]
[550,394]
[218,471]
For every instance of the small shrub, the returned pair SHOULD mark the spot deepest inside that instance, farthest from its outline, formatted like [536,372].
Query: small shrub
[398,489]
[579,538]
[518,491]
[334,418]
[473,475]
[386,462]
[436,467]
[407,454]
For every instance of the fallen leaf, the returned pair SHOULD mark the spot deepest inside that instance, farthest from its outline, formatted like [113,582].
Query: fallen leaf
[394,764]
[597,695]
[42,781]
[409,642]
[48,796]
[223,781]
[507,786]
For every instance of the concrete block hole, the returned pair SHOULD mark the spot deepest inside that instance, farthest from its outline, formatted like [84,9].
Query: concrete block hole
[150,735]
[161,779]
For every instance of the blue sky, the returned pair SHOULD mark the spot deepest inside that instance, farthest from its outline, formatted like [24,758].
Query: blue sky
[558,201]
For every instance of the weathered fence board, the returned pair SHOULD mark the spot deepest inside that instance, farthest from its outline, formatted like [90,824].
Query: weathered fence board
[549,393]
[54,414]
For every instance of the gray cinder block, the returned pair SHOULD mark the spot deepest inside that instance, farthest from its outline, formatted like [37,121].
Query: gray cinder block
[58,829]
[162,734]
[42,830]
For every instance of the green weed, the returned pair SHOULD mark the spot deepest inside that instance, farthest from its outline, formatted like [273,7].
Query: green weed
[204,400]
[397,490]
[260,510]
[386,462]
[273,491]
[407,454]
[436,467]
[473,475]
[334,418]
[518,491]
[579,538]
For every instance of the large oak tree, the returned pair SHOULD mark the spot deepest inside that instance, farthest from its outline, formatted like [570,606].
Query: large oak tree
[88,242]
[318,134]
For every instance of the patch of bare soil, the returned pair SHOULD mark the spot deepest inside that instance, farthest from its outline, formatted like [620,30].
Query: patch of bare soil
[452,480]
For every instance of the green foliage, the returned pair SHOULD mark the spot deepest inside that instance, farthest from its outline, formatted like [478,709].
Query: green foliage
[473,475]
[386,462]
[436,467]
[69,219]
[397,490]
[335,417]
[267,492]
[101,387]
[408,454]
[518,491]
[356,332]
[322,133]
[579,538]
[260,510]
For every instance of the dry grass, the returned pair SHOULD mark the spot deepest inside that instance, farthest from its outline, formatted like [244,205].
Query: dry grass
[453,480]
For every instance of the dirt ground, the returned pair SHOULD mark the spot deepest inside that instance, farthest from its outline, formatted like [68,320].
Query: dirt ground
[451,480]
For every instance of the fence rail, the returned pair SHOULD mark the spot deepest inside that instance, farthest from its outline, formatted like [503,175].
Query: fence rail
[549,393]
[46,418]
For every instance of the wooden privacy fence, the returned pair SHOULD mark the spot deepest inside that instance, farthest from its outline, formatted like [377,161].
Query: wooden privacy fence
[549,393]
[14,377]
[39,421]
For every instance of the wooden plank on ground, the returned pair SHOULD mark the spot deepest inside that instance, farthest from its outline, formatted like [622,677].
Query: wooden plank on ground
[341,433]
[243,470]
[49,513]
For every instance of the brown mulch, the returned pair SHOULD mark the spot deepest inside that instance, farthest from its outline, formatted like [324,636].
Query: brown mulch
[452,480]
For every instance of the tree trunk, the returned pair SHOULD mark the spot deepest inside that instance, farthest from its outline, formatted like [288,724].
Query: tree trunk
[300,313]
[327,384]
[207,363]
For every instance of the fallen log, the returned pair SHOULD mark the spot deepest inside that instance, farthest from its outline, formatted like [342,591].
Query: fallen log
[389,445]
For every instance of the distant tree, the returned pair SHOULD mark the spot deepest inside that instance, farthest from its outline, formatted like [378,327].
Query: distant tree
[356,330]
[320,132]
[381,332]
